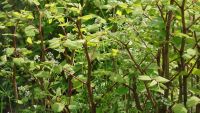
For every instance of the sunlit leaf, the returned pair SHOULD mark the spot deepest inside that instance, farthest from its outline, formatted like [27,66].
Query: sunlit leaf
[119,12]
[31,31]
[73,44]
[87,17]
[153,83]
[19,101]
[161,79]
[58,107]
[144,78]
[29,40]
[115,52]
[179,108]
[18,61]
[196,71]
[193,101]
[9,51]
[54,43]
[43,74]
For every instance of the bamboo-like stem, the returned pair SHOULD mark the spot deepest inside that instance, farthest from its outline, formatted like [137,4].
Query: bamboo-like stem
[92,105]
[41,37]
[165,53]
[182,66]
[142,72]
[14,66]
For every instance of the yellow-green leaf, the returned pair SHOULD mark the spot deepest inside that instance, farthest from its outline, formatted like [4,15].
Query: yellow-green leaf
[29,40]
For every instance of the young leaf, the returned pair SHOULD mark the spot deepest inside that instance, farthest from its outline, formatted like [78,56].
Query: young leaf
[29,40]
[119,12]
[115,52]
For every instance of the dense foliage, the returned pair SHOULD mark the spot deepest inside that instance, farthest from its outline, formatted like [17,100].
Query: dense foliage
[100,56]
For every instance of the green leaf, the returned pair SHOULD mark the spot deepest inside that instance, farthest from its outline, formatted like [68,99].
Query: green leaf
[179,108]
[107,6]
[123,5]
[176,41]
[43,74]
[119,12]
[162,86]
[77,83]
[75,10]
[122,90]
[195,91]
[36,2]
[2,27]
[57,69]
[196,71]
[17,14]
[171,7]
[9,51]
[115,52]
[183,73]
[117,78]
[58,92]
[73,107]
[191,51]
[87,17]
[157,89]
[73,44]
[3,58]
[54,43]
[38,93]
[31,31]
[193,101]
[29,40]
[19,101]
[68,68]
[181,35]
[25,51]
[58,107]
[93,28]
[153,83]
[18,61]
[64,24]
[144,78]
[161,79]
